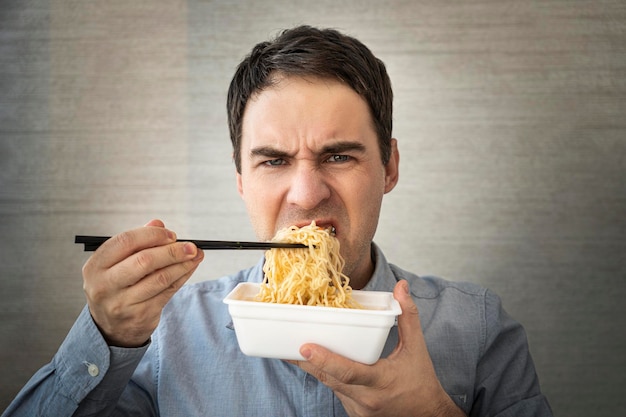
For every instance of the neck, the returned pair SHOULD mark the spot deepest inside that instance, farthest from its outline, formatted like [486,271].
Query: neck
[362,273]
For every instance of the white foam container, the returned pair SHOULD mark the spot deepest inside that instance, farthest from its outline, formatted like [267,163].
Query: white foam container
[279,330]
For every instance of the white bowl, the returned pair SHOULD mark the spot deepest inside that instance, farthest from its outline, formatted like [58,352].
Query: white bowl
[279,330]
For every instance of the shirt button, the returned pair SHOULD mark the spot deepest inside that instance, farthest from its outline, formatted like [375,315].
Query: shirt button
[93,369]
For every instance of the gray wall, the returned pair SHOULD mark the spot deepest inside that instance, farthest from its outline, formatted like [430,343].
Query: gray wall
[509,116]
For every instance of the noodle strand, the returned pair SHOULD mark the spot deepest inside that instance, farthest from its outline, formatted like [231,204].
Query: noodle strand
[309,276]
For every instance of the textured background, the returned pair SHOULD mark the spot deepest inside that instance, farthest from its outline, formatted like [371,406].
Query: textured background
[510,120]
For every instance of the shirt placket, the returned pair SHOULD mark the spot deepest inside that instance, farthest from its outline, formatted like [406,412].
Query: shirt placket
[317,398]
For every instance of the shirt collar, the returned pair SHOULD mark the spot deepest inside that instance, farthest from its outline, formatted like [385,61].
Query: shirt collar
[256,272]
[383,278]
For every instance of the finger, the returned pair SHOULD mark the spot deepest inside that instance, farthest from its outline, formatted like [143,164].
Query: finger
[164,296]
[166,280]
[124,244]
[152,262]
[333,369]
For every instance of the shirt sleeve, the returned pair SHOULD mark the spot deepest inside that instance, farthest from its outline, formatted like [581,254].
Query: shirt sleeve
[506,380]
[85,377]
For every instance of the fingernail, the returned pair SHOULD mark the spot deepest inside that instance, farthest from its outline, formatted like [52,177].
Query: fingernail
[199,255]
[405,284]
[306,353]
[189,248]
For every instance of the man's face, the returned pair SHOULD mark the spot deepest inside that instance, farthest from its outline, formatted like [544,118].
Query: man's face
[309,151]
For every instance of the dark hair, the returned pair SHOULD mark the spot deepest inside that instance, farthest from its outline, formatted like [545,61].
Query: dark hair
[308,51]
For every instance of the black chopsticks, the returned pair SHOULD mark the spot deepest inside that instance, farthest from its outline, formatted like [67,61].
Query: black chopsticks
[93,242]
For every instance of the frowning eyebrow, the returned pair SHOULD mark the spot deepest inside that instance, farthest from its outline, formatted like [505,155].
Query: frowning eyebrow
[343,147]
[330,149]
[268,152]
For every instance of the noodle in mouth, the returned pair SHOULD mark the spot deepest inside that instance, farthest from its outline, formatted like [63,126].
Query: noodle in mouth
[306,276]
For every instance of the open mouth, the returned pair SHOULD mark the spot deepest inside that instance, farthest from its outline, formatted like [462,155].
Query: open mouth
[332,230]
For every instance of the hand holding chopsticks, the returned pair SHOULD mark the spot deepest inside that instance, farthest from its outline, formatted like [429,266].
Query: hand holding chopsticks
[133,276]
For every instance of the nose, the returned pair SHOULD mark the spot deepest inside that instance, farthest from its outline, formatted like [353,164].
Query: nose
[308,188]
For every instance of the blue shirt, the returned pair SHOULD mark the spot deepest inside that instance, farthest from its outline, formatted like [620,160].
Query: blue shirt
[193,365]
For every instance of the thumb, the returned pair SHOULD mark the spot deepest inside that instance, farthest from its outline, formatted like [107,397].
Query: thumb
[409,328]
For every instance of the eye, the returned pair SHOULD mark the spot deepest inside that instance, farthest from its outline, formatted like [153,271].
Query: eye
[338,158]
[274,162]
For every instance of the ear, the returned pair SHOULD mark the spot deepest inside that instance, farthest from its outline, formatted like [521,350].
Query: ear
[239,184]
[392,168]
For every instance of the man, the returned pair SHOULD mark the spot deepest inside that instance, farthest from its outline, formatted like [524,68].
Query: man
[310,120]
